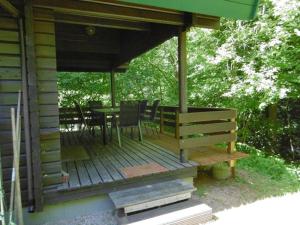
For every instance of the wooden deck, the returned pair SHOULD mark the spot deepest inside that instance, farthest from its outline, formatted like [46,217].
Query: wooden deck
[102,169]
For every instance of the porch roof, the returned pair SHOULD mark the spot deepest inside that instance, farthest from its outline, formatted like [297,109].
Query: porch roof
[236,9]
[125,29]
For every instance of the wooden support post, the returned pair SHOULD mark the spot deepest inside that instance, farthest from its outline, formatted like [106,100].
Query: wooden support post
[182,77]
[9,8]
[26,113]
[33,105]
[231,149]
[113,89]
[161,120]
[177,124]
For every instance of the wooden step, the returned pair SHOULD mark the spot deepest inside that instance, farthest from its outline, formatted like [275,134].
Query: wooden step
[150,196]
[188,212]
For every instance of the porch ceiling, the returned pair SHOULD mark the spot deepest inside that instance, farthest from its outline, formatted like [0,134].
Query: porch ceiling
[126,29]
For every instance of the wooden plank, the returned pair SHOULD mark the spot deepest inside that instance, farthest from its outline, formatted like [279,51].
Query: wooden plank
[49,110]
[50,145]
[9,36]
[45,51]
[53,156]
[47,75]
[9,61]
[44,39]
[49,133]
[44,27]
[101,22]
[128,156]
[206,128]
[47,86]
[8,23]
[158,202]
[74,179]
[49,122]
[10,86]
[83,174]
[143,194]
[207,116]
[46,63]
[65,169]
[183,213]
[168,154]
[52,167]
[8,98]
[154,157]
[92,171]
[9,8]
[105,176]
[9,48]
[207,140]
[48,98]
[50,179]
[215,155]
[111,11]
[9,73]
[43,14]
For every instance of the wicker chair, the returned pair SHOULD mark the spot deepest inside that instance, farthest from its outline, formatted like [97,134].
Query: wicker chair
[97,119]
[150,118]
[83,125]
[143,106]
[129,118]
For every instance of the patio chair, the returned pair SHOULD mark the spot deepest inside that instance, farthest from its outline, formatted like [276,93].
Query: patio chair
[97,119]
[143,106]
[83,123]
[150,118]
[129,118]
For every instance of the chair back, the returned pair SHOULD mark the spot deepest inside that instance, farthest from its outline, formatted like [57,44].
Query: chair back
[95,104]
[129,113]
[143,106]
[96,118]
[154,110]
[80,112]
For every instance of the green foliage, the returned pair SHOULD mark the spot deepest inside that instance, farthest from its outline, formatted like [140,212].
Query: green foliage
[247,65]
[269,165]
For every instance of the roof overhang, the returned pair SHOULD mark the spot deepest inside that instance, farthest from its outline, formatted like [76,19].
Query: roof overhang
[232,9]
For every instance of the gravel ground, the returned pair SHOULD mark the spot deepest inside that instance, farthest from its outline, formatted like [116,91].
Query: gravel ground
[101,218]
[222,196]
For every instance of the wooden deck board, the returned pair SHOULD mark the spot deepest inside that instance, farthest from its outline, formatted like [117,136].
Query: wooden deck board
[83,174]
[107,162]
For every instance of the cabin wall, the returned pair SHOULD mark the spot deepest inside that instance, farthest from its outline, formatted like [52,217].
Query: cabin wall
[10,84]
[45,50]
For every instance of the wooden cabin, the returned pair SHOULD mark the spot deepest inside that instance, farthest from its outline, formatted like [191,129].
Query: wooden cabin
[38,38]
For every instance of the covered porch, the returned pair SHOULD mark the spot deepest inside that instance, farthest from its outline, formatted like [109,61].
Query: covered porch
[94,168]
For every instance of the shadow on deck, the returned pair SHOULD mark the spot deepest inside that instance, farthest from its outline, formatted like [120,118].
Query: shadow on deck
[94,168]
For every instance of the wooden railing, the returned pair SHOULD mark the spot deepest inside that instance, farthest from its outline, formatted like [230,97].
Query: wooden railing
[167,117]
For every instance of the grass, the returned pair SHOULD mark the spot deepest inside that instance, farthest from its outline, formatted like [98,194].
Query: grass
[285,176]
[259,176]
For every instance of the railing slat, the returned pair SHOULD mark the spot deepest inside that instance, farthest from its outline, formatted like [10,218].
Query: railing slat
[207,140]
[206,116]
[207,128]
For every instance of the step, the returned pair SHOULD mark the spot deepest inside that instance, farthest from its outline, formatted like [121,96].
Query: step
[188,212]
[150,196]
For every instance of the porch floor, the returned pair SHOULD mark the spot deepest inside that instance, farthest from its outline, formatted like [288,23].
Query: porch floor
[109,164]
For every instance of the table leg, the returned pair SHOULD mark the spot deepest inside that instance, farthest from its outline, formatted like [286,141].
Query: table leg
[104,130]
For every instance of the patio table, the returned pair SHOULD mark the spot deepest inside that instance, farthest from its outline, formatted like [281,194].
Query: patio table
[106,112]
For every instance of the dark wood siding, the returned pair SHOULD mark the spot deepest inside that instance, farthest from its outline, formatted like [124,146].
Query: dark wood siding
[45,50]
[10,84]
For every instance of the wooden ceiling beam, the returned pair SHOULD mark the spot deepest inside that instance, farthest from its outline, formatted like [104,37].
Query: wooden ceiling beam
[101,22]
[209,22]
[6,5]
[101,10]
